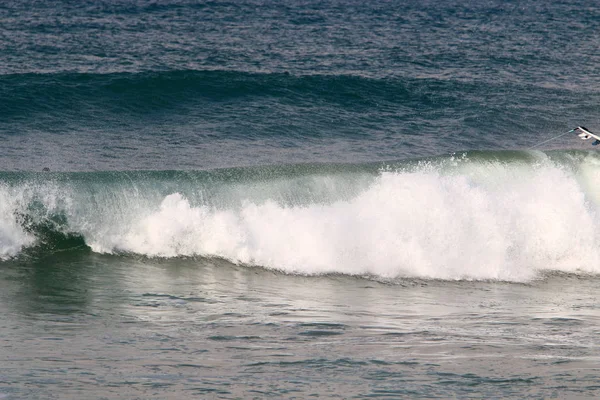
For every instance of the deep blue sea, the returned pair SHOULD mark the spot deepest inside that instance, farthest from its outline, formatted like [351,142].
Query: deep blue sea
[258,199]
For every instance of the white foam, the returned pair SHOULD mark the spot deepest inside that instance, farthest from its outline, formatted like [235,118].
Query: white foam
[467,220]
[492,221]
[13,238]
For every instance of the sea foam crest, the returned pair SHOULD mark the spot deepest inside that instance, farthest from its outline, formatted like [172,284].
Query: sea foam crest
[13,237]
[462,220]
[479,222]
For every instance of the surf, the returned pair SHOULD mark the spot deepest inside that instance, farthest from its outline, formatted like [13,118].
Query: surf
[508,216]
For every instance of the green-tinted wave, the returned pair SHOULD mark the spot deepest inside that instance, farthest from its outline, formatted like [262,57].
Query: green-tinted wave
[439,217]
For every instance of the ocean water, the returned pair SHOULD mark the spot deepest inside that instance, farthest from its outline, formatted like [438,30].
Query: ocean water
[297,199]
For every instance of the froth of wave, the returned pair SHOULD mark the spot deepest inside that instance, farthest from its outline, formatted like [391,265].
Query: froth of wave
[494,220]
[13,237]
[417,224]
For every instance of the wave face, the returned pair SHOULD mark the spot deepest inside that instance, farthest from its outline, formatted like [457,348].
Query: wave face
[187,119]
[505,216]
[117,101]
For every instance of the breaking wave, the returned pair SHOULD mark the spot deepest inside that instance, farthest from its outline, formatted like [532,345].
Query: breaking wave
[506,216]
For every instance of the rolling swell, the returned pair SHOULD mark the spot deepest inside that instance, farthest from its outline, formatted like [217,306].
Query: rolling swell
[207,119]
[66,101]
[147,92]
[486,215]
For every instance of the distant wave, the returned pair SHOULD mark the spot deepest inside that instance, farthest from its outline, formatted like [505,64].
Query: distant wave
[93,95]
[121,114]
[502,215]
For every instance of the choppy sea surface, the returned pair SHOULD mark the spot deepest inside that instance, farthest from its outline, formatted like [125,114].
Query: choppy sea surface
[297,199]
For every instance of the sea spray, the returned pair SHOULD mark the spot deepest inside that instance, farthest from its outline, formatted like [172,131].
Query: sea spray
[446,218]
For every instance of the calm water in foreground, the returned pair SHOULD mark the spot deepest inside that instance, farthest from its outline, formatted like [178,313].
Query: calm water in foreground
[93,326]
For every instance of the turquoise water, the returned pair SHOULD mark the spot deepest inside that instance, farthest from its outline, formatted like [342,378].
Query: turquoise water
[293,199]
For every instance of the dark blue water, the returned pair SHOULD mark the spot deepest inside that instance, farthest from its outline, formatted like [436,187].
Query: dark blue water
[186,85]
[287,199]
